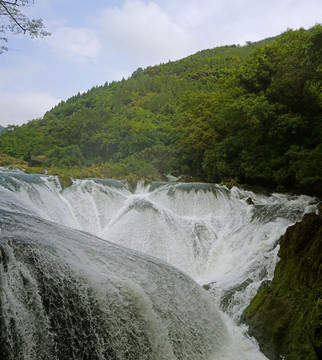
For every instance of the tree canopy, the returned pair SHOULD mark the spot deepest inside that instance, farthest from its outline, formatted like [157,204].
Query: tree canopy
[250,114]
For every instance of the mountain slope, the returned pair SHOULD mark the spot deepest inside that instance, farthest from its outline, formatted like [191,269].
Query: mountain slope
[247,113]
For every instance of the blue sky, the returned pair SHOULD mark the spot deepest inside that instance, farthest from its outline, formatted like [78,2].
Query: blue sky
[104,40]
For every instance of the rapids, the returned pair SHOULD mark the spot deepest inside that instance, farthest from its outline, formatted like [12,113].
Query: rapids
[99,271]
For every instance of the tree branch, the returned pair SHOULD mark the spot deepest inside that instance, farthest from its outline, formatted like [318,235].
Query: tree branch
[17,22]
[10,3]
[12,17]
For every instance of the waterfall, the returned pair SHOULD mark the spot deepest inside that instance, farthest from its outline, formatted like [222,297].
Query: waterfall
[97,271]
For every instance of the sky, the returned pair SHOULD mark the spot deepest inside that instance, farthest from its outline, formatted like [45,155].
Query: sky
[98,41]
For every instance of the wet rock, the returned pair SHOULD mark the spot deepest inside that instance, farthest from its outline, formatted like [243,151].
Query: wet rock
[286,316]
[65,181]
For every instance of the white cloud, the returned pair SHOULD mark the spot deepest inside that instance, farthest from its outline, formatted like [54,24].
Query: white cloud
[222,22]
[144,32]
[18,108]
[15,70]
[147,32]
[76,44]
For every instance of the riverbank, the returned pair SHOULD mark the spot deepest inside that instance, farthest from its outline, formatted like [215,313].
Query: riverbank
[286,316]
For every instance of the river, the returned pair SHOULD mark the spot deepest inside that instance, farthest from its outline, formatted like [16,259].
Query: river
[100,270]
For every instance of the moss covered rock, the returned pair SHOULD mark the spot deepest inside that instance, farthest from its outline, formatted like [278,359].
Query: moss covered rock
[65,180]
[286,317]
[10,160]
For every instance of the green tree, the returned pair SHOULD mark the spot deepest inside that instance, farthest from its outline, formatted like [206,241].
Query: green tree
[64,156]
[250,113]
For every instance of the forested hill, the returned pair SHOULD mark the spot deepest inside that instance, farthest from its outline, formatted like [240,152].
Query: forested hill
[250,114]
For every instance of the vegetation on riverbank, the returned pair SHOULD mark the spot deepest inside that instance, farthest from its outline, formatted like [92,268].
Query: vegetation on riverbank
[251,114]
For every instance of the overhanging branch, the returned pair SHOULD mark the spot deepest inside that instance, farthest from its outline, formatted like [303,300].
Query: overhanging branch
[11,15]
[10,3]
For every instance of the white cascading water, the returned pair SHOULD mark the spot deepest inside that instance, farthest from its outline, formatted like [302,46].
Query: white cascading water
[111,290]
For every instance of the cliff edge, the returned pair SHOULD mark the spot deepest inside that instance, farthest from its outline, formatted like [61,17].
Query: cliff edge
[286,316]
